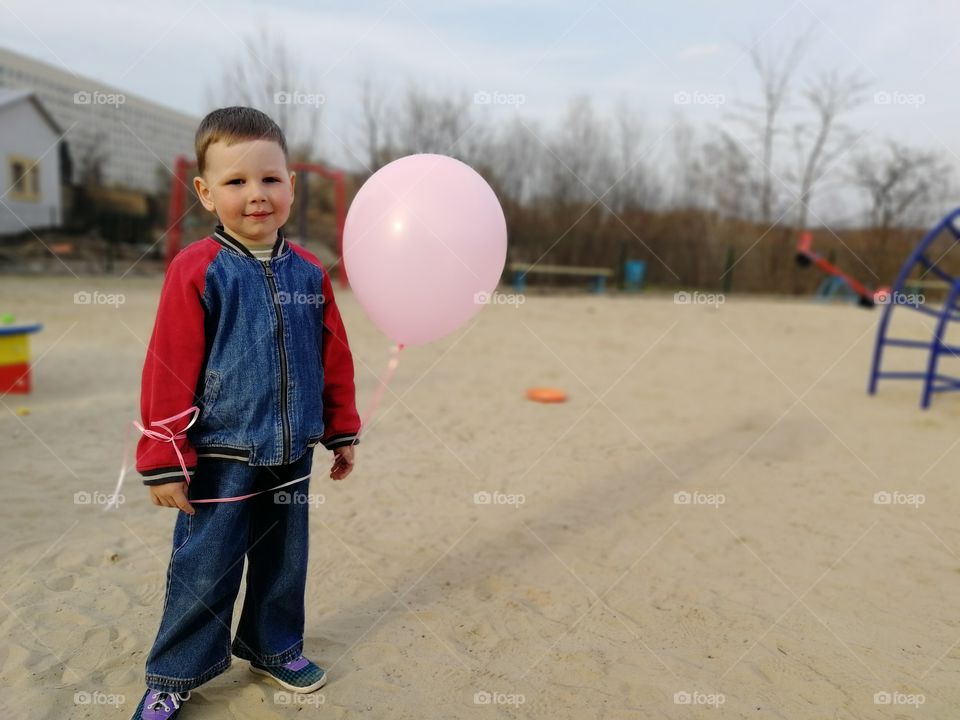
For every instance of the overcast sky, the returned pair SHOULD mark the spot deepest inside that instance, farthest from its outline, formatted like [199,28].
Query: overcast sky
[546,51]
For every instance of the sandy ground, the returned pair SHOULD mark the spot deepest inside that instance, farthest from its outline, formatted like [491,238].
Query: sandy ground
[782,590]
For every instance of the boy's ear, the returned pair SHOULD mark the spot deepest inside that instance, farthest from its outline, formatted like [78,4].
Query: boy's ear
[293,180]
[203,192]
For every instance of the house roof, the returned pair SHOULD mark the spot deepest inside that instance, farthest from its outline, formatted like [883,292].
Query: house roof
[10,96]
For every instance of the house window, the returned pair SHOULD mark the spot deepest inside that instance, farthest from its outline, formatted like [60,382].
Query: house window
[24,177]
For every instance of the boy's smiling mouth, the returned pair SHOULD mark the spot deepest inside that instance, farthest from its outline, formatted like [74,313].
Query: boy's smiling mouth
[259,215]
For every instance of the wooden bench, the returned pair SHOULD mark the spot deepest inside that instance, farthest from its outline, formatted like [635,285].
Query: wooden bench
[917,287]
[521,270]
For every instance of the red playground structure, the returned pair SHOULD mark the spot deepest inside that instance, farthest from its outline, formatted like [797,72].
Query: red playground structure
[836,278]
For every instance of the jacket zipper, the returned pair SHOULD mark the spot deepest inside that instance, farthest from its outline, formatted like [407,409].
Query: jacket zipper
[284,419]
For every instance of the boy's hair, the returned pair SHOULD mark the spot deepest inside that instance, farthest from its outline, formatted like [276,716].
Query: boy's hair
[232,125]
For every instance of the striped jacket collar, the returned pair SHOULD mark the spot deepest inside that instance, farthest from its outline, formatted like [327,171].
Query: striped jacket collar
[231,243]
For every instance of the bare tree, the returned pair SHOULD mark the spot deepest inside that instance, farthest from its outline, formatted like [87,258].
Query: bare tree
[630,185]
[685,194]
[725,177]
[92,156]
[517,161]
[375,125]
[264,76]
[579,156]
[901,186]
[775,71]
[435,124]
[820,143]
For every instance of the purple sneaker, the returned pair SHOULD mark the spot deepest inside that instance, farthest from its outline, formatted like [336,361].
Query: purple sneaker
[298,675]
[159,705]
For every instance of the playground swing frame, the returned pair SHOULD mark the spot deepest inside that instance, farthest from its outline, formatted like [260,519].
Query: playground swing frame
[933,380]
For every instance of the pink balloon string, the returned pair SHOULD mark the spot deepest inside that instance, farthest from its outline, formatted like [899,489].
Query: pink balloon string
[172,437]
[382,387]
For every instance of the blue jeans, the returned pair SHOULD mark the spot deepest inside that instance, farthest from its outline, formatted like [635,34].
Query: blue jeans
[206,566]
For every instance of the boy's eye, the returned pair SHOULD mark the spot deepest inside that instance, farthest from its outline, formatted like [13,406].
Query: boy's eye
[236,181]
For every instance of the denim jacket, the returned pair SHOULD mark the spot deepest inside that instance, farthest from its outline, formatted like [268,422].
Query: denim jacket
[258,346]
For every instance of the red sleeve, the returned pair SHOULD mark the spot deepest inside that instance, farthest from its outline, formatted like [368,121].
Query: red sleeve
[172,366]
[340,418]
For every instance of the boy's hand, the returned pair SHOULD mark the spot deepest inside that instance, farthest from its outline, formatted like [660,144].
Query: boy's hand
[171,495]
[342,462]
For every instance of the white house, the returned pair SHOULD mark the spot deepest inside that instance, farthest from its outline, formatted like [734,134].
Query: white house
[30,195]
[137,139]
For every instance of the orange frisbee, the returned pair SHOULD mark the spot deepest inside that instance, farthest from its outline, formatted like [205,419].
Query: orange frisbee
[546,395]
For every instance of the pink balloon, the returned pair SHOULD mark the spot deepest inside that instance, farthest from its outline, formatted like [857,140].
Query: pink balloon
[424,245]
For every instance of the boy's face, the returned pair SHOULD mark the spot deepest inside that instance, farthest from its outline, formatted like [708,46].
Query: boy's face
[248,186]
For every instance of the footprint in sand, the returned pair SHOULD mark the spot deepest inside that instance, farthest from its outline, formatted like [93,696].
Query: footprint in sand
[151,592]
[61,584]
[92,648]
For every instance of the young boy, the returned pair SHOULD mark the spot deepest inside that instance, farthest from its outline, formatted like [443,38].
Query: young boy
[248,332]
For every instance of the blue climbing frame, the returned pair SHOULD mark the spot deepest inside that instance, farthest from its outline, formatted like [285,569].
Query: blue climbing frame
[933,382]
